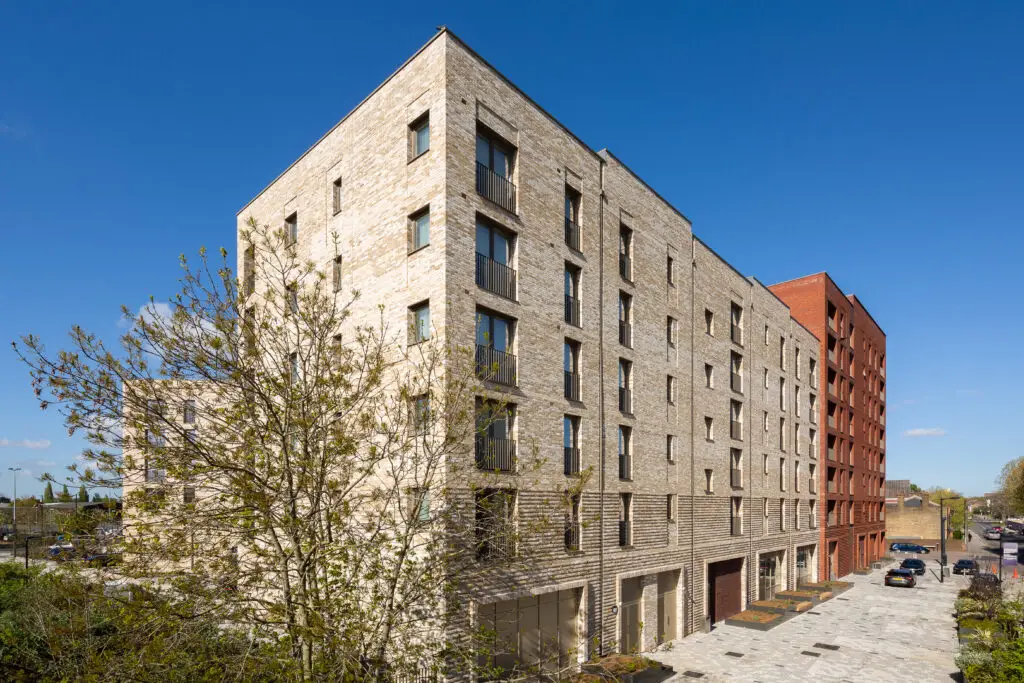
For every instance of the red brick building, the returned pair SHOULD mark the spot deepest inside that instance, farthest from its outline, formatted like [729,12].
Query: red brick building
[852,451]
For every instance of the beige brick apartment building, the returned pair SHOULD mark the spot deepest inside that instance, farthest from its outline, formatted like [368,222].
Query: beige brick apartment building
[626,344]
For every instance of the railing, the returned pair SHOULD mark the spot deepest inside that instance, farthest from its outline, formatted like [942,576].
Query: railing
[736,527]
[495,366]
[572,385]
[496,455]
[500,543]
[625,401]
[572,234]
[736,430]
[572,536]
[498,189]
[625,267]
[625,466]
[736,382]
[737,334]
[625,334]
[736,478]
[572,311]
[572,460]
[625,533]
[495,277]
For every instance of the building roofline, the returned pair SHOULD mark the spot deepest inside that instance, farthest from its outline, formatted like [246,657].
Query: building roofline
[855,298]
[608,152]
[763,285]
[849,297]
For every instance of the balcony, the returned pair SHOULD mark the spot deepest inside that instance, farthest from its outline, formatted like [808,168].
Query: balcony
[736,333]
[736,478]
[736,430]
[572,311]
[572,461]
[625,334]
[625,267]
[496,455]
[625,534]
[736,527]
[625,467]
[625,401]
[572,536]
[495,366]
[572,235]
[496,188]
[736,382]
[572,385]
[495,277]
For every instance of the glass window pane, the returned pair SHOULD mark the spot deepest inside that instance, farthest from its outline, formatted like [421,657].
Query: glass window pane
[483,151]
[567,432]
[567,358]
[502,247]
[502,334]
[483,329]
[502,166]
[422,231]
[483,240]
[423,323]
[423,138]
[568,282]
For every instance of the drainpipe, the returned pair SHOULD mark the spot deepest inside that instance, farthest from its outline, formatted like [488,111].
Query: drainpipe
[693,491]
[601,418]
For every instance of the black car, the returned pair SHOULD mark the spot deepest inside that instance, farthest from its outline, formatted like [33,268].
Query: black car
[965,567]
[908,548]
[900,577]
[913,564]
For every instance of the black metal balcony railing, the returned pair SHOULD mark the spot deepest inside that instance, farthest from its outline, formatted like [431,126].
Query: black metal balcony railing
[736,478]
[736,430]
[625,466]
[495,366]
[625,533]
[572,234]
[625,267]
[496,455]
[737,334]
[498,189]
[625,401]
[736,382]
[496,541]
[495,277]
[572,311]
[736,527]
[572,536]
[572,385]
[625,334]
[572,460]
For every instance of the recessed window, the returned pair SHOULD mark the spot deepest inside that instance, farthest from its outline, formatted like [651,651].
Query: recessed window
[336,273]
[670,390]
[670,507]
[419,226]
[291,229]
[709,481]
[189,494]
[189,412]
[670,331]
[420,413]
[670,448]
[709,322]
[419,316]
[670,270]
[419,136]
[293,300]
[336,196]
[709,376]
[709,428]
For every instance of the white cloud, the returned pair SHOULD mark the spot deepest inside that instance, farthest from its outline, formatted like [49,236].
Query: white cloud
[46,463]
[925,431]
[25,443]
[148,312]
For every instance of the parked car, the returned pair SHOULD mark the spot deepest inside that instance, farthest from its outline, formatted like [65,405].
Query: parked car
[61,551]
[913,564]
[900,577]
[993,535]
[965,567]
[908,548]
[102,559]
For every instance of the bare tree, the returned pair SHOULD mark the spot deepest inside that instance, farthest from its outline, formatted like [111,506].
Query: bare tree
[314,481]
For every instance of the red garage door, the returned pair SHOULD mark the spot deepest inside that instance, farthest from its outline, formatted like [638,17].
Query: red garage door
[725,586]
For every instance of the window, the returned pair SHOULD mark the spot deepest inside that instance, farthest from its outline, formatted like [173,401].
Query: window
[709,428]
[670,270]
[336,196]
[625,385]
[572,218]
[572,522]
[766,463]
[766,335]
[796,477]
[736,420]
[782,393]
[291,229]
[670,447]
[336,273]
[813,513]
[419,322]
[189,494]
[670,390]
[189,412]
[709,322]
[494,252]
[249,270]
[670,507]
[571,367]
[419,136]
[419,505]
[709,481]
[736,370]
[782,514]
[495,523]
[766,511]
[572,295]
[495,445]
[796,401]
[419,229]
[421,413]
[625,320]
[782,433]
[626,253]
[796,515]
[293,300]
[190,436]
[736,467]
[796,360]
[494,169]
[737,516]
[625,519]
[155,439]
[766,423]
[709,376]
[782,352]
[625,453]
[736,322]
[293,368]
[571,443]
[782,474]
[670,331]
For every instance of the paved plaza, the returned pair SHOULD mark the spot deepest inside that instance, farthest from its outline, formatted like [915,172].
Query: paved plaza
[879,634]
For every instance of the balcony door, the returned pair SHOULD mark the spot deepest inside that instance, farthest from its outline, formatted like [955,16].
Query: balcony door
[494,331]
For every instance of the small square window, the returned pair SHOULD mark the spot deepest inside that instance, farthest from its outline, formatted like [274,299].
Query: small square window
[419,136]
[336,196]
[419,323]
[419,225]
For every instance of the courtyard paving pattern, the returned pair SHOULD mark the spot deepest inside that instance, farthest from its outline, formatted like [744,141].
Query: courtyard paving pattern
[879,634]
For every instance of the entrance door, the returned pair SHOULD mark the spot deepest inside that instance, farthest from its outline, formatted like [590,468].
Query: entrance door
[833,559]
[803,567]
[767,569]
[630,616]
[667,585]
[726,586]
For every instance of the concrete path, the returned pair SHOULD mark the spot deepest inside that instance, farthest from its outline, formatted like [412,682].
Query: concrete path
[879,634]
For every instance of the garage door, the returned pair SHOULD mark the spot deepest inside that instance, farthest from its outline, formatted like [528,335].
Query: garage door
[537,633]
[726,588]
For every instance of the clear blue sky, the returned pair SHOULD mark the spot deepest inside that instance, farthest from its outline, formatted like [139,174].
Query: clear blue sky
[879,141]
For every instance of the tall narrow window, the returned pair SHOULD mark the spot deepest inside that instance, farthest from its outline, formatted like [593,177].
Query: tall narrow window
[572,218]
[336,273]
[420,322]
[670,448]
[419,227]
[736,322]
[571,368]
[709,376]
[625,320]
[571,443]
[670,507]
[625,386]
[709,481]
[189,412]
[709,428]
[494,251]
[419,136]
[336,196]
[709,322]
[494,168]
[670,331]
[625,519]
[291,228]
[625,453]
[249,270]
[670,270]
[421,413]
[293,300]
[572,294]
[626,253]
[670,390]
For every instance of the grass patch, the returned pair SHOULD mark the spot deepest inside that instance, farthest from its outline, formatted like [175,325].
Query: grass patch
[755,617]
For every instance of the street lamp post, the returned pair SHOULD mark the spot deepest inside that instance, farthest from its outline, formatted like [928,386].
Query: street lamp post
[14,501]
[942,539]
